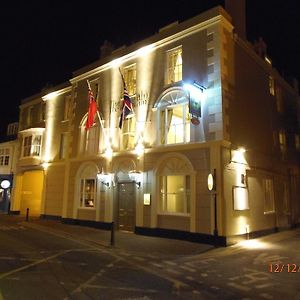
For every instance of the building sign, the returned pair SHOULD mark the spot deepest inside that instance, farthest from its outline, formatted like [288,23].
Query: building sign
[147,199]
[194,106]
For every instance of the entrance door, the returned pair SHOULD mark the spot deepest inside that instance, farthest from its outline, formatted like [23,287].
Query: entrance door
[126,212]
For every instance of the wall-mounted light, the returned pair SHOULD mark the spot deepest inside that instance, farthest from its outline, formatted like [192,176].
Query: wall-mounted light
[136,177]
[104,178]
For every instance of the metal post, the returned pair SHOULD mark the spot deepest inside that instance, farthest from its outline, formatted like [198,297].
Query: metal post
[112,234]
[216,221]
[27,214]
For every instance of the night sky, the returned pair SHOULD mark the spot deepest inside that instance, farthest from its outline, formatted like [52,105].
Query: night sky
[43,42]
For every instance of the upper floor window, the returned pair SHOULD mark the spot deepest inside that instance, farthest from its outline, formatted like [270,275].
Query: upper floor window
[282,140]
[32,145]
[130,79]
[42,111]
[279,99]
[128,133]
[89,143]
[12,128]
[174,65]
[67,106]
[173,118]
[297,141]
[271,85]
[63,145]
[29,116]
[4,157]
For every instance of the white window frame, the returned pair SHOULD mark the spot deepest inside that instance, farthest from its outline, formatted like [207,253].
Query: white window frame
[173,69]
[4,156]
[130,79]
[163,195]
[83,193]
[169,101]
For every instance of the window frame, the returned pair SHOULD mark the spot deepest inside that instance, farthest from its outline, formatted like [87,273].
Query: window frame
[173,72]
[269,197]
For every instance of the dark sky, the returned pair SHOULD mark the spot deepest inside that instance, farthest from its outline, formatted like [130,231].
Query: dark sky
[42,42]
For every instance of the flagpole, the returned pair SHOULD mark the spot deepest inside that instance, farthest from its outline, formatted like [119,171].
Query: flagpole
[98,114]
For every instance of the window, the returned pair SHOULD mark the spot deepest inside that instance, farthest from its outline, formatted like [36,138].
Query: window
[269,206]
[297,142]
[279,99]
[29,116]
[32,145]
[271,85]
[174,65]
[174,119]
[130,79]
[174,194]
[282,140]
[87,192]
[12,128]
[63,146]
[4,157]
[67,106]
[128,133]
[43,111]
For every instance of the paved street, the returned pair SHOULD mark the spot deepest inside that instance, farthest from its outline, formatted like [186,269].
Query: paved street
[49,260]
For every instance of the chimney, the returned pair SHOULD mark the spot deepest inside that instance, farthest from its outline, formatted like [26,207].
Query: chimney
[106,49]
[237,10]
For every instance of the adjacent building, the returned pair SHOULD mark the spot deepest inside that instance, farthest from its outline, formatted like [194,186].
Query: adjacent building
[205,101]
[8,158]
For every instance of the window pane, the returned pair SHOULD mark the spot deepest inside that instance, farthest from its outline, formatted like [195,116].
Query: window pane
[87,192]
[174,66]
[174,194]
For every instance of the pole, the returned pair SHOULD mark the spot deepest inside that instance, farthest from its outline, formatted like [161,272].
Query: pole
[27,214]
[112,234]
[216,221]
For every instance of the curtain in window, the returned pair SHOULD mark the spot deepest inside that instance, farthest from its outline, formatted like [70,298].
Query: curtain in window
[165,124]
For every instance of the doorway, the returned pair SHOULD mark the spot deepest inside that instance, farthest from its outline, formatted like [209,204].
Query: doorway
[126,210]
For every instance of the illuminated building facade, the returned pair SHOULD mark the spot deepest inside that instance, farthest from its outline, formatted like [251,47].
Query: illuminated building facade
[8,159]
[203,102]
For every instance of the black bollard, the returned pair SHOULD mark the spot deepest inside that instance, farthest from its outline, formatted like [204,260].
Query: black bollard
[27,214]
[112,234]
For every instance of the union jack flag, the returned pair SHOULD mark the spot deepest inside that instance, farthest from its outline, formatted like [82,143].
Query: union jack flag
[126,107]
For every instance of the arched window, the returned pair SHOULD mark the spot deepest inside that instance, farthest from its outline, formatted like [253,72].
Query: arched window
[87,181]
[173,117]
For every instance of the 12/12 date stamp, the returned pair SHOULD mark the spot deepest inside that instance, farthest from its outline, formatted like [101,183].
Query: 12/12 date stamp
[289,268]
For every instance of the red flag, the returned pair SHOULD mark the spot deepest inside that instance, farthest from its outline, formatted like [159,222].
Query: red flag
[92,111]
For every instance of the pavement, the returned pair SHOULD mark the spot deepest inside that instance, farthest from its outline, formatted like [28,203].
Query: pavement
[126,241]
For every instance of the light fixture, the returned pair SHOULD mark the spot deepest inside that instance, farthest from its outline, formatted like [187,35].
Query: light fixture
[136,177]
[104,178]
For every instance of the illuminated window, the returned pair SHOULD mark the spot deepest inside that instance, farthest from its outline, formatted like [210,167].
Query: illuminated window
[282,140]
[87,192]
[130,79]
[174,65]
[67,107]
[4,157]
[271,85]
[32,145]
[173,116]
[128,133]
[174,194]
[269,206]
